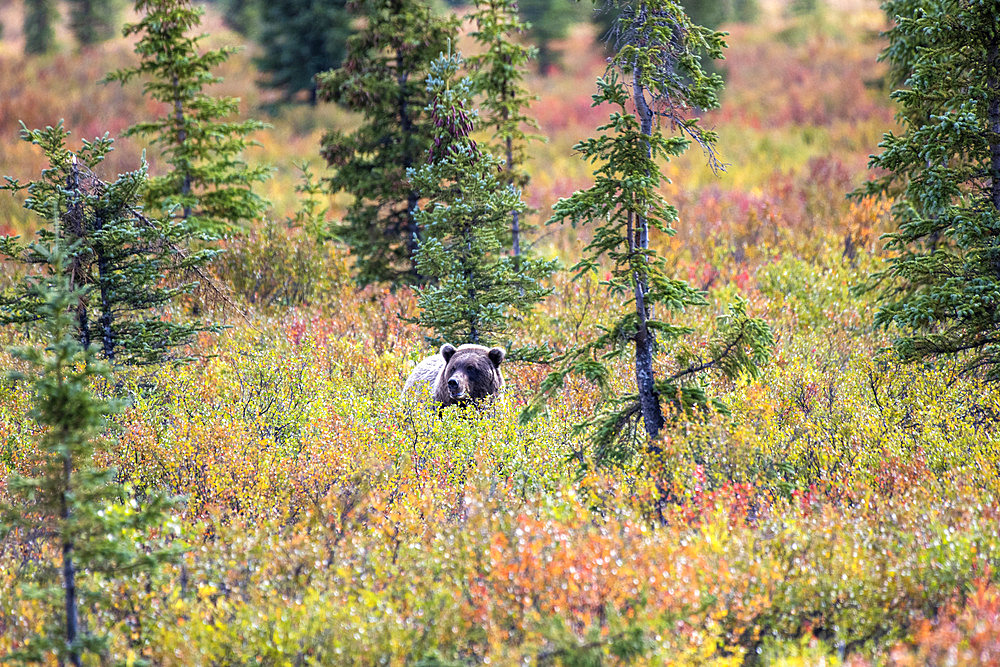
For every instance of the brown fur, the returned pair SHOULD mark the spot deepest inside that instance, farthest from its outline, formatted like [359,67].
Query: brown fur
[474,370]
[471,373]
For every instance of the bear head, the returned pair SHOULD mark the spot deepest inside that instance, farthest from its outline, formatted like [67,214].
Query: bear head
[471,373]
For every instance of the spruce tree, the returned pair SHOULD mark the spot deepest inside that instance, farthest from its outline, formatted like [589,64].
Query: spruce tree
[119,258]
[499,77]
[474,288]
[658,59]
[384,79]
[94,21]
[97,529]
[941,288]
[39,35]
[300,39]
[209,182]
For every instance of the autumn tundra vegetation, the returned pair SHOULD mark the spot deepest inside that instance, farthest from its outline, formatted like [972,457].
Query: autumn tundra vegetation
[738,260]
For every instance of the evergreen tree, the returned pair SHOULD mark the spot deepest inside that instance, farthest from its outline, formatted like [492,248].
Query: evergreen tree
[94,21]
[209,181]
[941,288]
[39,35]
[475,287]
[499,77]
[548,21]
[383,78]
[658,57]
[119,258]
[96,527]
[302,38]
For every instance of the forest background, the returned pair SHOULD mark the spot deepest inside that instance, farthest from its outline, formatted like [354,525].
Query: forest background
[844,510]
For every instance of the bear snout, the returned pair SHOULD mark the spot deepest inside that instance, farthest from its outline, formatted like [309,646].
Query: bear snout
[455,388]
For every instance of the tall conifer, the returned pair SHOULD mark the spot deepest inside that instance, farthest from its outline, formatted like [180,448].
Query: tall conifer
[475,288]
[941,289]
[300,39]
[658,59]
[209,181]
[384,79]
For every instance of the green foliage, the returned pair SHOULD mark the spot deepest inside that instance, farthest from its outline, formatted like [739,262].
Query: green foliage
[384,79]
[67,500]
[498,74]
[120,259]
[941,288]
[209,181]
[94,21]
[625,204]
[300,39]
[476,288]
[39,35]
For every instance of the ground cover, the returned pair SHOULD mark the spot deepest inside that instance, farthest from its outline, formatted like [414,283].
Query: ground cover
[845,511]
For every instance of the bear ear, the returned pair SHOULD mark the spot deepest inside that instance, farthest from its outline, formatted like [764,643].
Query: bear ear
[447,351]
[497,355]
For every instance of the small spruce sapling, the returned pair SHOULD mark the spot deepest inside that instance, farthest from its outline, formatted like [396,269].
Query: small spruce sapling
[209,182]
[477,288]
[97,528]
[657,55]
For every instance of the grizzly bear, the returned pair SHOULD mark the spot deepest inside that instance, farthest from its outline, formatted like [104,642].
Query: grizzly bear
[462,375]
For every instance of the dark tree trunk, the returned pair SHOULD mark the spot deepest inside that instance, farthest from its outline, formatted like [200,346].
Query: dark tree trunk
[649,399]
[75,229]
[993,114]
[181,138]
[69,571]
[104,279]
[515,225]
[406,126]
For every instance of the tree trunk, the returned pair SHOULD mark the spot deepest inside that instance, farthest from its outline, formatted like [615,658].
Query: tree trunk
[181,139]
[993,114]
[649,399]
[68,570]
[75,230]
[406,127]
[515,225]
[103,279]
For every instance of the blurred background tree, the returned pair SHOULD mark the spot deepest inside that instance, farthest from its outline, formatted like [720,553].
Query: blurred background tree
[300,39]
[94,21]
[39,35]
